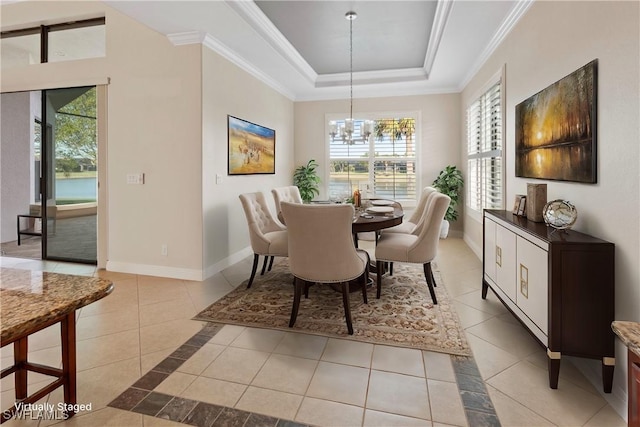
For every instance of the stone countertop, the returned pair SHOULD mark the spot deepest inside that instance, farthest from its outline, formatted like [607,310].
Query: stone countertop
[629,333]
[30,299]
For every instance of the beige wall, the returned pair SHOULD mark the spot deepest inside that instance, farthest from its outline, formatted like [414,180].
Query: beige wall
[229,90]
[437,143]
[552,40]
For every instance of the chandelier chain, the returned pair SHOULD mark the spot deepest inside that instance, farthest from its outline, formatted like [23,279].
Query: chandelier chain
[351,67]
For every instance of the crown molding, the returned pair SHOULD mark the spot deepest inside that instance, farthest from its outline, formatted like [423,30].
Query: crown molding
[372,77]
[443,9]
[210,42]
[518,11]
[254,16]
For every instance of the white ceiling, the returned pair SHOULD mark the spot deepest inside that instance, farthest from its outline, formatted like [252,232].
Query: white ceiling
[301,48]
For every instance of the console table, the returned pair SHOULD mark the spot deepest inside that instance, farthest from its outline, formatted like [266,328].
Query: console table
[31,301]
[558,283]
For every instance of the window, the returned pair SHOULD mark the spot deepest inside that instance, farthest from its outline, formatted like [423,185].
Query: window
[484,155]
[383,165]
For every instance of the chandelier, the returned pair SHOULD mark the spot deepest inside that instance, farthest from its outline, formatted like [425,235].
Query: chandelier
[346,131]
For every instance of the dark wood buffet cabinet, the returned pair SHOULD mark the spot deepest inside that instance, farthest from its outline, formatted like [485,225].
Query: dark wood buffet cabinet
[558,283]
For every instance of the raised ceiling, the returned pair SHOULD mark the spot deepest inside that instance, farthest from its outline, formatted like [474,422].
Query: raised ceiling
[301,48]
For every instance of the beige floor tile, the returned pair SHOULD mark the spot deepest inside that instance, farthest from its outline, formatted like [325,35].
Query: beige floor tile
[491,304]
[490,359]
[301,345]
[94,352]
[400,360]
[114,275]
[470,316]
[149,360]
[568,371]
[286,373]
[384,419]
[325,413]
[107,417]
[165,311]
[270,402]
[46,338]
[236,364]
[348,352]
[107,323]
[567,405]
[340,383]
[438,366]
[398,394]
[446,404]
[507,336]
[197,363]
[123,297]
[606,417]
[214,391]
[175,383]
[148,421]
[227,334]
[240,272]
[512,413]
[258,339]
[152,290]
[167,335]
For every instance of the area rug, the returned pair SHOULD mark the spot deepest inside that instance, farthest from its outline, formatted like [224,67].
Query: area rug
[404,316]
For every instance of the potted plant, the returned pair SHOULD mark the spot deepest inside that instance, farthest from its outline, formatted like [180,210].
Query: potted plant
[307,180]
[449,182]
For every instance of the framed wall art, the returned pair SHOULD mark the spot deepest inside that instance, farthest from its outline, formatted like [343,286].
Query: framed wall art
[251,148]
[556,129]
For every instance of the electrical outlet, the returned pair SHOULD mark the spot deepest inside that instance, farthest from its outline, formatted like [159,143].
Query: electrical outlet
[218,178]
[164,251]
[135,178]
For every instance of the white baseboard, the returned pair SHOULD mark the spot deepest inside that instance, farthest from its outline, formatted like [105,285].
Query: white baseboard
[155,270]
[227,262]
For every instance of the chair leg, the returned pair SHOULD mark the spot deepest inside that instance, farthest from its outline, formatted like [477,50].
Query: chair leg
[433,279]
[297,292]
[390,269]
[429,277]
[379,277]
[271,263]
[365,282]
[307,285]
[253,269]
[264,265]
[347,308]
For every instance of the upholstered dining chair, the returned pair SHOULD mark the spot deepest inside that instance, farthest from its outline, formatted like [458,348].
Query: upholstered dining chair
[289,194]
[268,238]
[417,216]
[321,250]
[420,247]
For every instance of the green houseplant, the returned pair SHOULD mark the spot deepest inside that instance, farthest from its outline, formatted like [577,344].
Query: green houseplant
[306,179]
[449,182]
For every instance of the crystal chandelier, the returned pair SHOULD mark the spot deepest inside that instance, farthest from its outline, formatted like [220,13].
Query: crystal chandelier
[345,132]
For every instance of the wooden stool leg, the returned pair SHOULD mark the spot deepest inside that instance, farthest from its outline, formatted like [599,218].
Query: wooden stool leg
[68,335]
[20,350]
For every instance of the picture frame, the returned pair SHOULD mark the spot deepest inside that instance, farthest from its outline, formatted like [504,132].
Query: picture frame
[520,199]
[251,148]
[556,129]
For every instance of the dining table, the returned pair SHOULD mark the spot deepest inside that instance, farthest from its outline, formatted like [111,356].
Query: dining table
[375,215]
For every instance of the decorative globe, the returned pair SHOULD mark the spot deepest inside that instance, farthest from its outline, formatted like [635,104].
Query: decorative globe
[559,214]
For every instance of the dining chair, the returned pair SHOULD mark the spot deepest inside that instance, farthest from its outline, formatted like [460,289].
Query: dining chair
[268,238]
[289,194]
[417,216]
[419,248]
[321,250]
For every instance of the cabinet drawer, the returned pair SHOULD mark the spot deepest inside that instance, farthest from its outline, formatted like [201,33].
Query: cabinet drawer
[532,282]
[506,261]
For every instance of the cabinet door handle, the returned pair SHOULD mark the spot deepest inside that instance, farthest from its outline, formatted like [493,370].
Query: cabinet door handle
[499,256]
[524,281]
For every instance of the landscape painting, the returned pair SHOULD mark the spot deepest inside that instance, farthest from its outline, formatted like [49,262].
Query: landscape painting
[251,148]
[556,129]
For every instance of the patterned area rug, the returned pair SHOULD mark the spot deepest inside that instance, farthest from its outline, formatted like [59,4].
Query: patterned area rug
[404,315]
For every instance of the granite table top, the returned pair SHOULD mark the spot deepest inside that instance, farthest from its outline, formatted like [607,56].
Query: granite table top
[629,333]
[30,299]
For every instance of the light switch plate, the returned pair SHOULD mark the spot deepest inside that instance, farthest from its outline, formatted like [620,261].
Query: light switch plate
[135,178]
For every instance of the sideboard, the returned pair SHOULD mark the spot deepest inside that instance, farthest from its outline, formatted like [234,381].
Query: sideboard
[558,283]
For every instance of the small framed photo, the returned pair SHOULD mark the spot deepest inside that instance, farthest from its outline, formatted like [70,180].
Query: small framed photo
[519,204]
[252,148]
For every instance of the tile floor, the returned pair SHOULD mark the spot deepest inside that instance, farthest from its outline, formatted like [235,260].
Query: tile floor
[264,376]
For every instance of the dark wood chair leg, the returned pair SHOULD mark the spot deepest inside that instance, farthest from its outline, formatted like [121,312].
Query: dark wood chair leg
[253,269]
[270,263]
[379,277]
[365,282]
[428,278]
[347,308]
[390,269]
[264,265]
[433,279]
[297,292]
[307,285]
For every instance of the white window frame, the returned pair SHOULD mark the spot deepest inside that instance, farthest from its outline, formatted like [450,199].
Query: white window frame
[498,78]
[416,115]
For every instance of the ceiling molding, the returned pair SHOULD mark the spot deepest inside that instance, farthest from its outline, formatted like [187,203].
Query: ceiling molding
[372,77]
[197,37]
[440,19]
[377,91]
[254,16]
[518,11]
